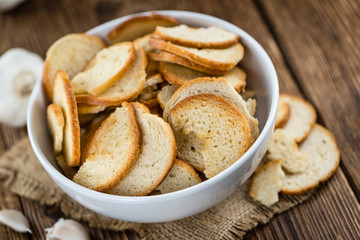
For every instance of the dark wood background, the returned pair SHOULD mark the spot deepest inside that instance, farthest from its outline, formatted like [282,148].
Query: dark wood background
[315,47]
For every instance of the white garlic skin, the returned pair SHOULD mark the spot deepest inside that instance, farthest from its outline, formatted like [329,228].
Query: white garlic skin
[19,71]
[67,230]
[6,5]
[15,220]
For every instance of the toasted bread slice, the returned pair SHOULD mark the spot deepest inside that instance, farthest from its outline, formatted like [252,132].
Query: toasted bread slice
[217,86]
[178,75]
[144,42]
[70,54]
[84,108]
[112,150]
[219,59]
[139,26]
[126,88]
[108,66]
[68,171]
[181,176]
[165,94]
[285,147]
[156,157]
[172,58]
[210,133]
[56,123]
[148,95]
[266,183]
[323,162]
[211,37]
[302,117]
[251,106]
[64,97]
[283,114]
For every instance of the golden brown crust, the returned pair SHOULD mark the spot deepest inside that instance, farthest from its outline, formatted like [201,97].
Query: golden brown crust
[196,44]
[325,178]
[104,100]
[46,81]
[209,63]
[283,114]
[310,107]
[116,35]
[55,118]
[172,58]
[188,167]
[84,108]
[72,118]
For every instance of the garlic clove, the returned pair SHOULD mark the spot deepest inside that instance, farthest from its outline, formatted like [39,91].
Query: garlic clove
[6,5]
[19,71]
[15,220]
[67,230]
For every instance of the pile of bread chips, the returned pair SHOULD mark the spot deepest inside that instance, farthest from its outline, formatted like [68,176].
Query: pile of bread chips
[152,111]
[301,154]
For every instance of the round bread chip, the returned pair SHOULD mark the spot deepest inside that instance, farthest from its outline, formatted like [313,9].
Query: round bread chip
[56,123]
[181,176]
[211,37]
[70,54]
[172,58]
[108,66]
[323,161]
[108,161]
[144,42]
[126,88]
[219,59]
[210,133]
[84,108]
[139,26]
[178,75]
[156,157]
[217,86]
[283,114]
[64,97]
[165,94]
[302,117]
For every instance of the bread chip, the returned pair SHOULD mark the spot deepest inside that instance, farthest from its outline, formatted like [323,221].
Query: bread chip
[70,54]
[285,147]
[251,106]
[165,94]
[156,157]
[302,117]
[219,59]
[68,171]
[172,58]
[266,183]
[283,114]
[84,108]
[144,42]
[178,75]
[181,176]
[323,162]
[108,161]
[126,88]
[217,86]
[108,66]
[64,97]
[211,37]
[56,123]
[210,133]
[139,26]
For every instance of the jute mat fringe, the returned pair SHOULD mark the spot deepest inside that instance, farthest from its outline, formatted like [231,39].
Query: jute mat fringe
[22,174]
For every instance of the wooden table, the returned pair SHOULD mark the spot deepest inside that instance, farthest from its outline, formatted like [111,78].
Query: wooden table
[315,46]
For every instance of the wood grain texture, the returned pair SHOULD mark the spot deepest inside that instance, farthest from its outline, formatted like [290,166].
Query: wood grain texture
[333,211]
[320,40]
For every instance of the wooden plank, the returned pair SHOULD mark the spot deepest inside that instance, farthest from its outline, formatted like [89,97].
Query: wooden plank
[320,39]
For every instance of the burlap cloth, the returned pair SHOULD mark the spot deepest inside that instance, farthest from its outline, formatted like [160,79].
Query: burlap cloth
[22,174]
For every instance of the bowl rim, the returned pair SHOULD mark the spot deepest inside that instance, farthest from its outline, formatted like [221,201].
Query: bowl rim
[56,175]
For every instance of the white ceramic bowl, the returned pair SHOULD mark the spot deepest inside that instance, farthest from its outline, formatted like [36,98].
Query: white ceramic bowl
[172,206]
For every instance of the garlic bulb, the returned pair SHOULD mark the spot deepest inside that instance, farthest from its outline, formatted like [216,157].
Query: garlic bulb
[15,220]
[19,71]
[67,230]
[6,5]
